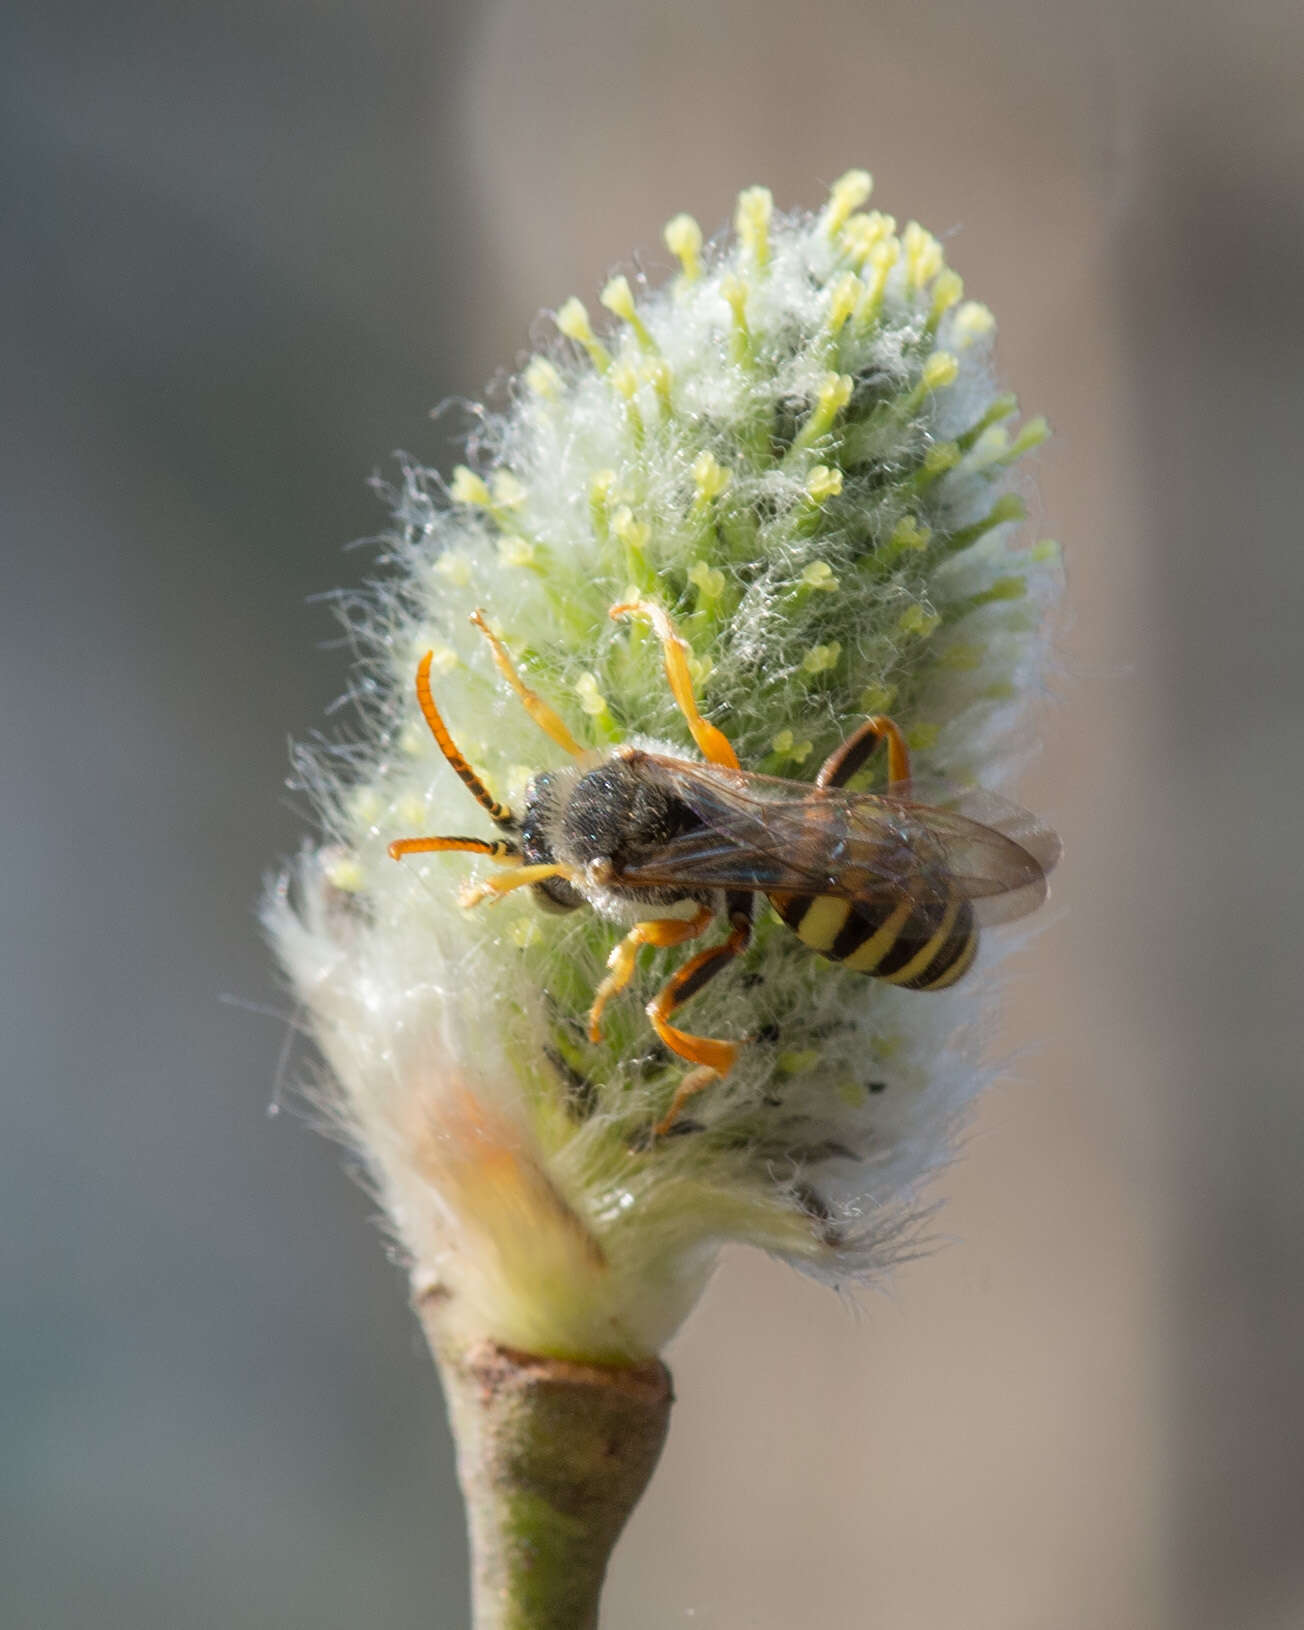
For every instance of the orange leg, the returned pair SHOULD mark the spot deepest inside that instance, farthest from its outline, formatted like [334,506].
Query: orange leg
[713,1058]
[713,744]
[493,888]
[658,931]
[843,762]
[547,719]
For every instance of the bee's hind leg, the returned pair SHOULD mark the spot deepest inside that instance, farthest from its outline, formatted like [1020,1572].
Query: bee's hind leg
[713,1058]
[843,762]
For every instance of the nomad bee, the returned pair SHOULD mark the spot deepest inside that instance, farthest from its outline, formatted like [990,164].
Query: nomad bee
[888,884]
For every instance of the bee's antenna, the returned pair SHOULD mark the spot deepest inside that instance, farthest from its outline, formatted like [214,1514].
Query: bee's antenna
[439,730]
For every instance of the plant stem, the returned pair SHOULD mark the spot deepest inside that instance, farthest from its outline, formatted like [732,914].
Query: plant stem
[552,1457]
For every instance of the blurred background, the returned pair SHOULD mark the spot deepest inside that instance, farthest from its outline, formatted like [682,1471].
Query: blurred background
[247,248]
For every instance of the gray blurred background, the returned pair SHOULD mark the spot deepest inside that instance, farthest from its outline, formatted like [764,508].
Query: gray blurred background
[247,247]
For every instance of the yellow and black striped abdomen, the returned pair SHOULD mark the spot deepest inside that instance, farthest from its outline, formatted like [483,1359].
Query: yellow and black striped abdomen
[920,945]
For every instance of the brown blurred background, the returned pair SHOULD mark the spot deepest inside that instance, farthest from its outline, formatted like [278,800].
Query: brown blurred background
[247,248]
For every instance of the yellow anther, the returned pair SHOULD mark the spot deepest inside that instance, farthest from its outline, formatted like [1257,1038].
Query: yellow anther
[844,295]
[591,698]
[940,370]
[543,379]
[655,371]
[923,256]
[877,698]
[822,483]
[1045,553]
[634,534]
[947,289]
[683,239]
[846,194]
[412,813]
[921,737]
[833,395]
[508,493]
[624,381]
[991,447]
[455,567]
[700,668]
[573,321]
[819,575]
[709,580]
[864,233]
[346,874]
[798,1062]
[514,550]
[941,457]
[908,534]
[821,658]
[752,222]
[710,477]
[916,619]
[618,298]
[882,258]
[734,291]
[786,745]
[466,487]
[1004,588]
[1030,435]
[971,322]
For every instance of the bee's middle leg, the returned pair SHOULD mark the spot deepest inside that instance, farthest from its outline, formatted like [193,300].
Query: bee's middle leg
[713,1058]
[658,931]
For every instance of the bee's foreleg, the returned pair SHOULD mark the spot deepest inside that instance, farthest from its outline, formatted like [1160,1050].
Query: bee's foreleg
[843,762]
[519,877]
[547,718]
[658,931]
[714,1058]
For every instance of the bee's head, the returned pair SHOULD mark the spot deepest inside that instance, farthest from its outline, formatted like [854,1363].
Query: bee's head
[545,797]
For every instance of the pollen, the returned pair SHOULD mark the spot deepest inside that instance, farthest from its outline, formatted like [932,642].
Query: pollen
[591,698]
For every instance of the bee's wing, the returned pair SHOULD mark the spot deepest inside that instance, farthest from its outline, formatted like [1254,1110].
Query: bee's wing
[770,835]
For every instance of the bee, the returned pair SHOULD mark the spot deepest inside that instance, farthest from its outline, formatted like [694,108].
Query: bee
[894,885]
